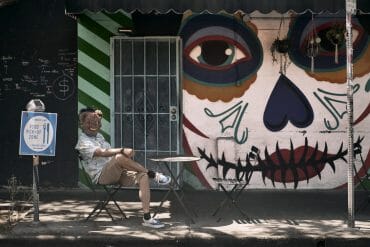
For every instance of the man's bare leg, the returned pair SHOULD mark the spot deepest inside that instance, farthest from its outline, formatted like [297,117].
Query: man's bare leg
[129,164]
[144,192]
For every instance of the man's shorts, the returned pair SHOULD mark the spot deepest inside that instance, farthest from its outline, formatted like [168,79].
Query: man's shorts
[112,173]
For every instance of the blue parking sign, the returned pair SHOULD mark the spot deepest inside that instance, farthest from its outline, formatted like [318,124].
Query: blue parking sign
[38,133]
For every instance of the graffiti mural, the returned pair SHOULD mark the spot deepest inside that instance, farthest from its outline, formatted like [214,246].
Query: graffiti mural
[246,115]
[263,94]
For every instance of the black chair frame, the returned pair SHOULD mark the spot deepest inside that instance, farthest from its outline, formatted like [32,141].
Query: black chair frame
[238,186]
[102,203]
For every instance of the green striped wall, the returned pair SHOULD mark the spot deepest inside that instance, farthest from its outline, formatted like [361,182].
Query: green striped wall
[94,31]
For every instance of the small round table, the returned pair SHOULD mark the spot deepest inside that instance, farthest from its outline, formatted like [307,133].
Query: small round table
[167,160]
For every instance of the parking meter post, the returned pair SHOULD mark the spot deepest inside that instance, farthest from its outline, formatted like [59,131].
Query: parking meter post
[35,188]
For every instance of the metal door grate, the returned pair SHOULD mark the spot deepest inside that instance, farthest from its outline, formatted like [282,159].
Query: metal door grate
[146,96]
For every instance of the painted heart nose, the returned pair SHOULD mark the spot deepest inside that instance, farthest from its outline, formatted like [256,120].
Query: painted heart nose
[287,103]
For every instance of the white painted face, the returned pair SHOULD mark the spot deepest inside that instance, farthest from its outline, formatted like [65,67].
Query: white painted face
[284,120]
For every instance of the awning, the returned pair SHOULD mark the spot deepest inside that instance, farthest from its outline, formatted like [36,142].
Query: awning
[213,6]
[6,2]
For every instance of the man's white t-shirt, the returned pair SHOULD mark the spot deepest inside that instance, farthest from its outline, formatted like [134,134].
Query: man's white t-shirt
[86,146]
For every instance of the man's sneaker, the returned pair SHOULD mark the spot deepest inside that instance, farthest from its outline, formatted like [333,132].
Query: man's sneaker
[153,223]
[162,179]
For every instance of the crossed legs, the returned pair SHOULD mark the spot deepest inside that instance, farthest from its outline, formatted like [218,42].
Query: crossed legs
[122,169]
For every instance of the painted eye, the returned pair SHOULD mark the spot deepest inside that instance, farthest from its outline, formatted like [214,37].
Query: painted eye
[216,54]
[328,54]
[219,50]
[332,39]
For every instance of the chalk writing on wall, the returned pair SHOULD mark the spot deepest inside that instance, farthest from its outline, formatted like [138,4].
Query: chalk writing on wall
[39,76]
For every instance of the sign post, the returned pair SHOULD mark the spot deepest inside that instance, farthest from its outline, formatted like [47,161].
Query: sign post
[37,137]
[35,187]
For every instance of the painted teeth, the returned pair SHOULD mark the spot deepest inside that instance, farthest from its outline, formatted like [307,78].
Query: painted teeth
[268,166]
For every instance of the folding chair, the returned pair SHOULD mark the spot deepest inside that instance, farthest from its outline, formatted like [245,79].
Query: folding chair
[237,187]
[102,203]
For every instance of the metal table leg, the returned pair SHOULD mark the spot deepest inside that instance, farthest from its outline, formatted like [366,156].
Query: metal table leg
[172,188]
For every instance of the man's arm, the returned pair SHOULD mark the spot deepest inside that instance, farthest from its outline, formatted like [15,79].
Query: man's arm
[109,152]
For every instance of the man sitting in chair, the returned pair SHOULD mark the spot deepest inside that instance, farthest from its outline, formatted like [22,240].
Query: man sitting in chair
[106,165]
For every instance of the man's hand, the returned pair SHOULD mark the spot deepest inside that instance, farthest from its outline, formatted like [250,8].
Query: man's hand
[128,152]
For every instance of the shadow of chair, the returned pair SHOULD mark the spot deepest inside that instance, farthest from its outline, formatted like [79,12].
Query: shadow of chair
[364,180]
[102,201]
[365,185]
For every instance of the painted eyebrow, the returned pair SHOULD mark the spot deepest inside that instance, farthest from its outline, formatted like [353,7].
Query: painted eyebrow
[215,31]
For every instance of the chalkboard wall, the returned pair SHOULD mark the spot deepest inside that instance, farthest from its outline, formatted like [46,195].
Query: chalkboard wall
[38,59]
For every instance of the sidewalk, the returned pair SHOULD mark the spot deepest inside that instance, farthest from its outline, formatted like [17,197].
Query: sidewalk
[278,218]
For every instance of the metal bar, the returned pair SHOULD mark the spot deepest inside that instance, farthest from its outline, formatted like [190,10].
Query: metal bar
[223,202]
[120,113]
[112,192]
[157,98]
[169,97]
[35,188]
[132,94]
[144,107]
[179,94]
[349,51]
[97,206]
[112,82]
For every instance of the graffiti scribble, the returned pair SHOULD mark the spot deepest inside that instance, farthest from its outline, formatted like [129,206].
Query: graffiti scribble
[231,118]
[331,101]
